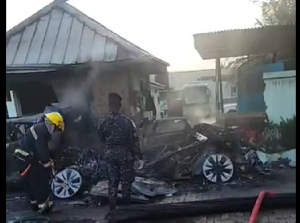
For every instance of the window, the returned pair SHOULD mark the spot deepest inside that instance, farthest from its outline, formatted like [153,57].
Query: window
[233,90]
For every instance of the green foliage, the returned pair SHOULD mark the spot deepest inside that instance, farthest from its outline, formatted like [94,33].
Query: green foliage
[273,12]
[277,12]
[287,129]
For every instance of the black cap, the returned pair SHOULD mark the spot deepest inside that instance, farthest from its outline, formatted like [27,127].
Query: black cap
[114,96]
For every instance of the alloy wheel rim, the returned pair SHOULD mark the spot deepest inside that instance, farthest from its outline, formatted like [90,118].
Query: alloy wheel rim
[66,183]
[218,168]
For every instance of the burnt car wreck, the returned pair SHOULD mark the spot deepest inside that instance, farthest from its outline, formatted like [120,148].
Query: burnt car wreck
[173,150]
[215,153]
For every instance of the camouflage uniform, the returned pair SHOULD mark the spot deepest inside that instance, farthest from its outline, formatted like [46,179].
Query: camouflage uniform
[122,145]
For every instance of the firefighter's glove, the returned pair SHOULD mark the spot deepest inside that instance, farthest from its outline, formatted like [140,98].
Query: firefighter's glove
[52,164]
[141,164]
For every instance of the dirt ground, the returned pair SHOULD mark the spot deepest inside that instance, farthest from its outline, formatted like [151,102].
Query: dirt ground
[69,212]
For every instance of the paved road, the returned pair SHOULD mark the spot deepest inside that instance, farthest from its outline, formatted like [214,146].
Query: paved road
[97,215]
[86,214]
[227,192]
[275,216]
[286,185]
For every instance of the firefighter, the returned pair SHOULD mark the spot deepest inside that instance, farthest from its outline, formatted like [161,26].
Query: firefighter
[35,163]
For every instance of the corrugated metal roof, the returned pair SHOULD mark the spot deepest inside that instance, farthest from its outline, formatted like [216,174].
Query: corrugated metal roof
[61,34]
[250,28]
[234,43]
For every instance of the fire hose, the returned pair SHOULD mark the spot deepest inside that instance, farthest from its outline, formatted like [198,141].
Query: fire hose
[258,202]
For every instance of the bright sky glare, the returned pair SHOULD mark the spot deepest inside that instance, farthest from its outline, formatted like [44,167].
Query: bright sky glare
[165,28]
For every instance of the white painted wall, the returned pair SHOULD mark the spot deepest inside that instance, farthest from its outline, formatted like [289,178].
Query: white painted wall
[280,94]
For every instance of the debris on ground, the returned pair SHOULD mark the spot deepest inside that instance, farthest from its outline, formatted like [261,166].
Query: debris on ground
[152,188]
[286,158]
[143,190]
[101,190]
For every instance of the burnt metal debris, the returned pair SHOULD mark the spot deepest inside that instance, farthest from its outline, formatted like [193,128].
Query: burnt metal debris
[219,148]
[217,155]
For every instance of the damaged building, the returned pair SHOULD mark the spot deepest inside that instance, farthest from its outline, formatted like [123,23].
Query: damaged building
[61,55]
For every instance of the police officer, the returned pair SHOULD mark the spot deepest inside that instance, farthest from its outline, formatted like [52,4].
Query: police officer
[34,160]
[118,132]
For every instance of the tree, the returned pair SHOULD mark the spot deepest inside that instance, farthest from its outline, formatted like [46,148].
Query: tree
[274,12]
[277,12]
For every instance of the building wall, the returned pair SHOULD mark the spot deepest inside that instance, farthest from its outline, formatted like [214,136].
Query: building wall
[251,86]
[72,91]
[118,83]
[280,95]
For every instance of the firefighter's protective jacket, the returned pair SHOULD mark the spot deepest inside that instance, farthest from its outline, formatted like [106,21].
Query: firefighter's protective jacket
[36,141]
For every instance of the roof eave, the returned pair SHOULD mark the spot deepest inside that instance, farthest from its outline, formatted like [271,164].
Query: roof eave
[235,43]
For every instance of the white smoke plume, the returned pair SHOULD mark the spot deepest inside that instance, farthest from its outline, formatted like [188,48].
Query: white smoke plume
[76,92]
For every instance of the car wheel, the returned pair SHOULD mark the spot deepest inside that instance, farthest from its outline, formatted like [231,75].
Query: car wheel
[66,183]
[218,168]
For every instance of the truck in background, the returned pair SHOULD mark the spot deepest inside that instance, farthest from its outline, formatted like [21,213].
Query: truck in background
[191,102]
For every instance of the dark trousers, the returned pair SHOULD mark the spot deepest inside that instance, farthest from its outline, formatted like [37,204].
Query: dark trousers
[119,171]
[37,186]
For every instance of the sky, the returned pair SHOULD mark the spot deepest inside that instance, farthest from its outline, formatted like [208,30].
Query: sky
[164,28]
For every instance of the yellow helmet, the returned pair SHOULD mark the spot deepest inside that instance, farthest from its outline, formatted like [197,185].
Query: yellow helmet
[56,119]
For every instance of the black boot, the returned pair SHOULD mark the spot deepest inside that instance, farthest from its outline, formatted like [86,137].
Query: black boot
[45,208]
[112,205]
[34,205]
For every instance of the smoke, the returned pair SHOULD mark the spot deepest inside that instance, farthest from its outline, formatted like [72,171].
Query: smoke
[77,93]
[209,120]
